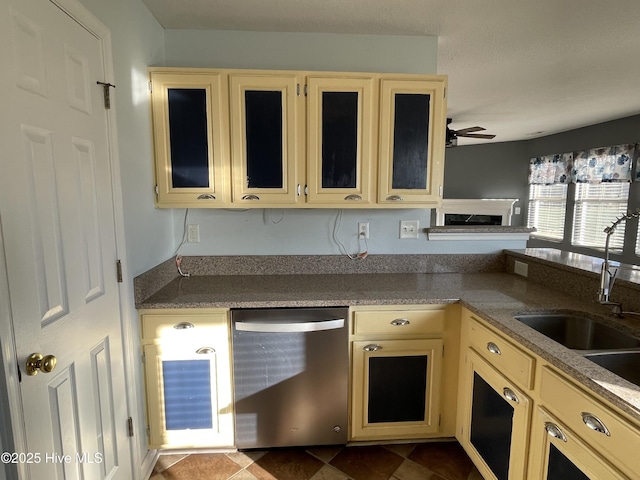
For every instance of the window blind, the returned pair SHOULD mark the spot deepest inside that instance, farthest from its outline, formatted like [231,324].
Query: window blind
[547,208]
[597,205]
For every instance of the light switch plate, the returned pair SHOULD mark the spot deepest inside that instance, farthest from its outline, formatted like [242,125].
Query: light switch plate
[409,228]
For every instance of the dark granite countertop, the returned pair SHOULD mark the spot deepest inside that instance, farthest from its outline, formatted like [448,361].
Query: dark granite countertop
[495,297]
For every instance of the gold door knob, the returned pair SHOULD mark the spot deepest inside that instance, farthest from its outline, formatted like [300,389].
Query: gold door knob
[44,364]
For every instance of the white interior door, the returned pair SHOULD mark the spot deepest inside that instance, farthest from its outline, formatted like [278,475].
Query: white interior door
[56,202]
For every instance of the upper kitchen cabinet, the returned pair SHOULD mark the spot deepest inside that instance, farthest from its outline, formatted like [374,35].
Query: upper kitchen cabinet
[190,131]
[267,140]
[412,140]
[341,127]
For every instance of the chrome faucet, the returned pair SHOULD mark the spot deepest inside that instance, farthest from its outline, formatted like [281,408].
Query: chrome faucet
[607,276]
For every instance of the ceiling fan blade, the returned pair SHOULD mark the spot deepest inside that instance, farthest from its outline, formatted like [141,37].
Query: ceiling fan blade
[463,131]
[476,135]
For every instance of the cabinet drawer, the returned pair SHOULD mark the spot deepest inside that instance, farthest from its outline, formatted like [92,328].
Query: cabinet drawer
[175,327]
[572,405]
[401,322]
[517,365]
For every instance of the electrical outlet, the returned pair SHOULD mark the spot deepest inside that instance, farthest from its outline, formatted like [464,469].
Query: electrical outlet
[521,268]
[409,228]
[193,233]
[363,229]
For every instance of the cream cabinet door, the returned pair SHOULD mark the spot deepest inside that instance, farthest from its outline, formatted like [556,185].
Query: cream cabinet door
[412,140]
[187,362]
[558,454]
[493,420]
[267,139]
[191,138]
[341,132]
[396,387]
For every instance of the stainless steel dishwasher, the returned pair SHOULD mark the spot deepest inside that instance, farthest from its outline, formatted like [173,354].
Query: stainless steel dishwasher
[290,369]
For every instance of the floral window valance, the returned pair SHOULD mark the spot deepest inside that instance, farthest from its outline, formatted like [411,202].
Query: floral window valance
[606,164]
[550,169]
[597,165]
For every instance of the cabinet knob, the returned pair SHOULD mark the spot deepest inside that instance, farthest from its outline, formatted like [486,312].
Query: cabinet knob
[493,348]
[372,347]
[205,350]
[594,423]
[250,197]
[183,325]
[510,395]
[353,196]
[554,431]
[395,198]
[206,196]
[400,322]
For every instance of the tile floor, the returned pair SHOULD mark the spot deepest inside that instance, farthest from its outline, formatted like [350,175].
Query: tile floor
[421,461]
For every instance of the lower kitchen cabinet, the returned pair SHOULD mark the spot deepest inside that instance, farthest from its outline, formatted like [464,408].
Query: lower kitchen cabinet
[493,420]
[187,365]
[558,454]
[398,371]
[396,388]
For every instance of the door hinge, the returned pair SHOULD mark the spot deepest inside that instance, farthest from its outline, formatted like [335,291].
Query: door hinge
[444,95]
[144,357]
[106,93]
[119,271]
[130,426]
[440,190]
[150,86]
[157,190]
[148,431]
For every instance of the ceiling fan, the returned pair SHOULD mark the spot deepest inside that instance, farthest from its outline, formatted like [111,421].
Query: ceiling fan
[452,135]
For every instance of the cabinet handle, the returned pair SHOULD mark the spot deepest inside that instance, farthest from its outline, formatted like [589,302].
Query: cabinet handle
[183,325]
[298,190]
[554,431]
[493,348]
[400,322]
[395,198]
[205,350]
[510,395]
[372,347]
[250,197]
[594,423]
[206,196]
[353,196]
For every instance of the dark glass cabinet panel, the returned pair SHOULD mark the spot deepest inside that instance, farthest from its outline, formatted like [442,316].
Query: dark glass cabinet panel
[561,468]
[188,137]
[264,137]
[410,141]
[491,427]
[187,394]
[397,388]
[339,139]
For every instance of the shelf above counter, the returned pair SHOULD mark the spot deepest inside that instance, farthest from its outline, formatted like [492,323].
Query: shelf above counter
[492,232]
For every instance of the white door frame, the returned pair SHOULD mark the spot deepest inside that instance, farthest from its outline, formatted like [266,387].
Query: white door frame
[78,12]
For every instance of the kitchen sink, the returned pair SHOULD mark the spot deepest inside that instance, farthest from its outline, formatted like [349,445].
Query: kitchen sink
[623,364]
[579,332]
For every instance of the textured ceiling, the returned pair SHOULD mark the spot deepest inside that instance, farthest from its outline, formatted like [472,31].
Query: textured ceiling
[520,68]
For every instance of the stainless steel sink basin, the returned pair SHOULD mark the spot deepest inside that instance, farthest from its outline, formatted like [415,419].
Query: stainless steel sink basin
[578,332]
[623,364]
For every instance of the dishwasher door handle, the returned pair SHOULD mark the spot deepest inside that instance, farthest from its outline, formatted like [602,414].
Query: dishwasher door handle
[289,327]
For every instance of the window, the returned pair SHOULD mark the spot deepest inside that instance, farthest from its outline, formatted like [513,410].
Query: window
[547,207]
[598,205]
